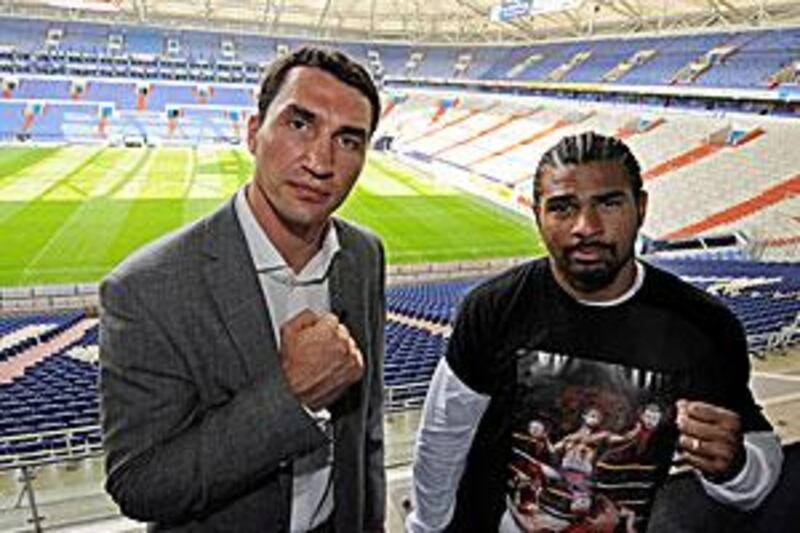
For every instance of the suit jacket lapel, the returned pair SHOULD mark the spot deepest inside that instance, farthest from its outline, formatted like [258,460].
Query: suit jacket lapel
[346,294]
[233,283]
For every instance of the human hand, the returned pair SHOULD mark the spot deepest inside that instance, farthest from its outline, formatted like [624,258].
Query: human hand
[711,439]
[319,358]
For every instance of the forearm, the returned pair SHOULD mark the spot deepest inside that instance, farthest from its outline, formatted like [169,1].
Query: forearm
[762,468]
[450,418]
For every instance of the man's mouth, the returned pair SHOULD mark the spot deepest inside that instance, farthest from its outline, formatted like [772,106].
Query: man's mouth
[306,193]
[589,252]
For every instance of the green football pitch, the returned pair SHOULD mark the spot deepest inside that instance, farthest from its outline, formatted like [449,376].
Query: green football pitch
[69,214]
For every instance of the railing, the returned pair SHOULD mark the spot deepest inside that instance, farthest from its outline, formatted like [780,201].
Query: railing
[21,300]
[84,296]
[786,336]
[406,396]
[30,450]
[55,446]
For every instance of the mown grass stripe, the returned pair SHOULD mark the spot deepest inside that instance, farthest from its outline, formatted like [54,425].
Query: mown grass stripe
[192,173]
[16,160]
[91,160]
[131,174]
[83,183]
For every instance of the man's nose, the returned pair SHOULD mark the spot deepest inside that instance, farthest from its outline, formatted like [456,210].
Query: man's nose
[319,158]
[588,223]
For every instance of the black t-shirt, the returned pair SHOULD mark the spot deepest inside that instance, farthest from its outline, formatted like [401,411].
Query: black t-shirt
[580,426]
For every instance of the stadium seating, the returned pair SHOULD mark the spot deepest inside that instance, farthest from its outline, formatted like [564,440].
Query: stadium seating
[50,411]
[765,296]
[59,392]
[199,55]
[17,334]
[433,303]
[705,172]
[168,70]
[200,92]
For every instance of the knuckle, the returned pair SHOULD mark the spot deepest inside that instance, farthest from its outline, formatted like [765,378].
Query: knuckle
[342,349]
[729,454]
[356,355]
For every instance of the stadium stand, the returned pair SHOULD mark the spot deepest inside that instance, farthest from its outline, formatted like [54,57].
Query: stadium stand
[411,357]
[766,297]
[721,59]
[706,173]
[690,106]
[200,68]
[48,395]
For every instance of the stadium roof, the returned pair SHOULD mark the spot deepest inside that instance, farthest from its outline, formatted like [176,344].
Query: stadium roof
[454,21]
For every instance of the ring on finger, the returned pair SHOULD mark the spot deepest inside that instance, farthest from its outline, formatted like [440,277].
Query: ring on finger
[695,444]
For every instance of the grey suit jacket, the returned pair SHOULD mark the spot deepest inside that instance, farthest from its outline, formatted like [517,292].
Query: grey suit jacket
[200,427]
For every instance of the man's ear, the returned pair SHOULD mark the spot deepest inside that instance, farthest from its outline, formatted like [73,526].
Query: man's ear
[535,209]
[253,125]
[641,206]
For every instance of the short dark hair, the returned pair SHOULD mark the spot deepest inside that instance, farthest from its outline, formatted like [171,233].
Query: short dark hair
[585,148]
[333,62]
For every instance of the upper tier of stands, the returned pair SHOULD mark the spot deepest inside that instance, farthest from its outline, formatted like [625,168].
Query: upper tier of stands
[744,59]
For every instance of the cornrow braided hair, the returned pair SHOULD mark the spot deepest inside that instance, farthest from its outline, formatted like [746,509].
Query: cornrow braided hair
[585,148]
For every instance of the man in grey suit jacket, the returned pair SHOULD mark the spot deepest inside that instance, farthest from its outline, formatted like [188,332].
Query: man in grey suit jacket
[241,357]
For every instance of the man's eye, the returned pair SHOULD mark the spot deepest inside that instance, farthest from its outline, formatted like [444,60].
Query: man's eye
[611,203]
[298,123]
[560,208]
[350,143]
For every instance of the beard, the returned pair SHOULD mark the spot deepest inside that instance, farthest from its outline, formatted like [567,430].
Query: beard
[593,276]
[592,279]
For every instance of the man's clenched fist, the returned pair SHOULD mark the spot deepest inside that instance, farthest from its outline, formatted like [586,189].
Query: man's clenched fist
[319,357]
[711,439]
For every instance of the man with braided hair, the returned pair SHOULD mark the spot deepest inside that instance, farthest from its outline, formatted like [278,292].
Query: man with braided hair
[589,326]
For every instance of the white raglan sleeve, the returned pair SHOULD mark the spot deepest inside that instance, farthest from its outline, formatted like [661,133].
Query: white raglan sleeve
[450,418]
[760,474]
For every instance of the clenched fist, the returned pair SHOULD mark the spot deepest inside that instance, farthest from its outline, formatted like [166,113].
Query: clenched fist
[319,358]
[711,439]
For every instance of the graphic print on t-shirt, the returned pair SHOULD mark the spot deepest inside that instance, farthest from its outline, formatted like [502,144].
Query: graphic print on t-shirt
[591,443]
